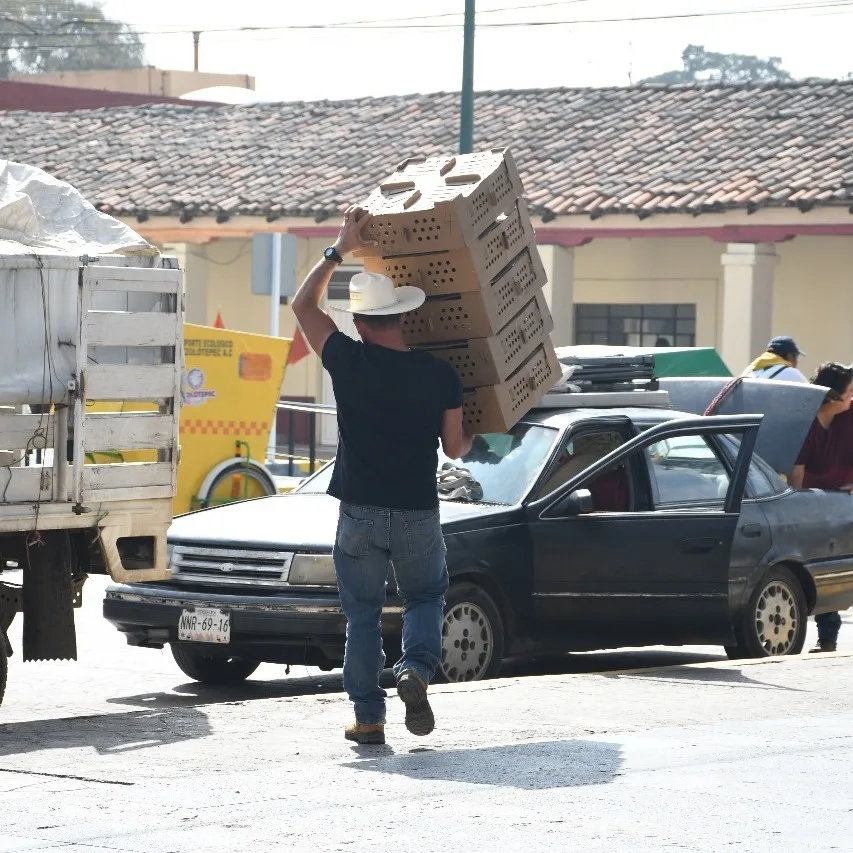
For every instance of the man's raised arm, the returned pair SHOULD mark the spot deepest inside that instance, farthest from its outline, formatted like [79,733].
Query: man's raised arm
[315,323]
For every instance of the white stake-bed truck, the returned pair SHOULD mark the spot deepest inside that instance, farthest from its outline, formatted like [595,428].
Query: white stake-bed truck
[91,367]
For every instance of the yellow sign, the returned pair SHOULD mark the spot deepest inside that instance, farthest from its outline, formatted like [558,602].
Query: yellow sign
[232,384]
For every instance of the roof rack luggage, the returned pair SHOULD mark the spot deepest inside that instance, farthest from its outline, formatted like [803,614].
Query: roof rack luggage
[606,381]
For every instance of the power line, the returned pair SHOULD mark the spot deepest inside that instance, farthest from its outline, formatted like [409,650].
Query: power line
[392,22]
[480,13]
[374,25]
[183,29]
[383,25]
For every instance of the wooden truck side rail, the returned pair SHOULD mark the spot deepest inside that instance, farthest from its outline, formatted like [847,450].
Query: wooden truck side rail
[129,354]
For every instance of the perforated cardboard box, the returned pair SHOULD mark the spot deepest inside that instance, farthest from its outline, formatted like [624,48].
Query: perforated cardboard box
[478,313]
[497,408]
[487,361]
[440,203]
[464,270]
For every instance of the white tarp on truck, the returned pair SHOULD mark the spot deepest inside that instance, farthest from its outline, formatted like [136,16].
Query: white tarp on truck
[48,232]
[37,211]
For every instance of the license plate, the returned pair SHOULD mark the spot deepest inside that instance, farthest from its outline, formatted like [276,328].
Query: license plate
[205,625]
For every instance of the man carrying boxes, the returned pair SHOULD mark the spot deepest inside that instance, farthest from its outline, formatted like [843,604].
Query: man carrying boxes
[394,404]
[455,341]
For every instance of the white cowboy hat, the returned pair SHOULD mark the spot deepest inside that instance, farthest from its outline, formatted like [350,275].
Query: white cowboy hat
[374,294]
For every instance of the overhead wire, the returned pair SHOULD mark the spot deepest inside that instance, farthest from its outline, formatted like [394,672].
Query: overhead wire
[184,29]
[401,23]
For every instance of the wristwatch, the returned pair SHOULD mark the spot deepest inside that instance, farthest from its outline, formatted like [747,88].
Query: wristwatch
[332,254]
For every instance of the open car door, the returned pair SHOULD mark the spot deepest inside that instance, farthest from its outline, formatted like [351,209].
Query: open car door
[789,408]
[659,571]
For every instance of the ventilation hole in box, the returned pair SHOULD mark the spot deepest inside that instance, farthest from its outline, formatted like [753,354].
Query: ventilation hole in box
[473,415]
[452,318]
[465,366]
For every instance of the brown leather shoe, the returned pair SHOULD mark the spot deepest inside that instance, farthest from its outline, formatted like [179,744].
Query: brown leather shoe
[824,646]
[412,689]
[365,733]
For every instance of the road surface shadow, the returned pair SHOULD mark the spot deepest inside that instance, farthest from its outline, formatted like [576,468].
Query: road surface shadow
[602,661]
[703,675]
[193,694]
[107,734]
[527,766]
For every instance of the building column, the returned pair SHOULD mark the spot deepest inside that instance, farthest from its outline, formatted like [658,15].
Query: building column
[194,264]
[559,262]
[747,302]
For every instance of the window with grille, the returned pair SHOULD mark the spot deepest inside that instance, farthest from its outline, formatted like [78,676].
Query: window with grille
[636,325]
[339,284]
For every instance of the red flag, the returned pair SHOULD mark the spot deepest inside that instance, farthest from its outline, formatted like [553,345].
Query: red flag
[217,323]
[298,348]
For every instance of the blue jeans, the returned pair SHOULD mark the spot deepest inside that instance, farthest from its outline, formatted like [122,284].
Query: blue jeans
[369,541]
[828,626]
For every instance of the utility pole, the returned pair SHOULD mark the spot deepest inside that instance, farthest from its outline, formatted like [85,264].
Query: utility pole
[275,294]
[466,122]
[196,37]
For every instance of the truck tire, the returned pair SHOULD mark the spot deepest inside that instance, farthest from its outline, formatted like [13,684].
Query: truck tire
[774,620]
[4,665]
[212,669]
[472,636]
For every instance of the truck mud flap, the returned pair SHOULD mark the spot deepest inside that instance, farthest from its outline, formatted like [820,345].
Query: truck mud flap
[48,599]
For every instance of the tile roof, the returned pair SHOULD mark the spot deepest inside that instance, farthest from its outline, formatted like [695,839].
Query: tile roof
[643,150]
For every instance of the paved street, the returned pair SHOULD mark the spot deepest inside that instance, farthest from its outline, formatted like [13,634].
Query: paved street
[118,752]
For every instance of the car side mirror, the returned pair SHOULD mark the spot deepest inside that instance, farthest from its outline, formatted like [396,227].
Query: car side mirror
[578,502]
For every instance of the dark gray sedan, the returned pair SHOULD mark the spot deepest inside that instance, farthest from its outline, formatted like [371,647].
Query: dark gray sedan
[585,527]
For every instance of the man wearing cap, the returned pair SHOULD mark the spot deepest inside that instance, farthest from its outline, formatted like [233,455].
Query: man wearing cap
[778,361]
[394,405]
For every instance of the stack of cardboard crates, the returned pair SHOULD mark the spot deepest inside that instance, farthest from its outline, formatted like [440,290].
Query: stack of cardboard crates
[458,228]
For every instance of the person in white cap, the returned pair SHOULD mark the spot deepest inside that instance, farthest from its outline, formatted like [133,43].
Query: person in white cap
[394,405]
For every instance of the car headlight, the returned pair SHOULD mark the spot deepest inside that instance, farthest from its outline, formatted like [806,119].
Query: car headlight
[312,570]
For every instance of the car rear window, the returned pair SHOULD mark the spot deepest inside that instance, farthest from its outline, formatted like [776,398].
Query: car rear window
[761,481]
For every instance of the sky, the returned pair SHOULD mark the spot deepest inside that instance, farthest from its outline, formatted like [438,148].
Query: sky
[425,54]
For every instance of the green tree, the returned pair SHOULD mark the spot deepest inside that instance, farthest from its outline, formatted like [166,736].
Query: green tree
[63,35]
[702,65]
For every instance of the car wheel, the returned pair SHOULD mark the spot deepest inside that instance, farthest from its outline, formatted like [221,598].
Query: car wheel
[775,619]
[472,636]
[238,482]
[212,669]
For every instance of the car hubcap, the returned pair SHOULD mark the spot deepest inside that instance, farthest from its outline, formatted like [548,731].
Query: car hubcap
[777,618]
[466,644]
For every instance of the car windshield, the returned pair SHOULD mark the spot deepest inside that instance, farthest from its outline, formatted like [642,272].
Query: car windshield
[503,465]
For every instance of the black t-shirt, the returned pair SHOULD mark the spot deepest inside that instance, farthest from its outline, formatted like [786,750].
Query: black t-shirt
[390,408]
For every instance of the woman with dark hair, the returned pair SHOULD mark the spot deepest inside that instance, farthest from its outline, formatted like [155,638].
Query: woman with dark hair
[826,461]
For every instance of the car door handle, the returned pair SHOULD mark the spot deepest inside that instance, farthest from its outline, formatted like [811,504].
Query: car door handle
[751,531]
[699,546]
